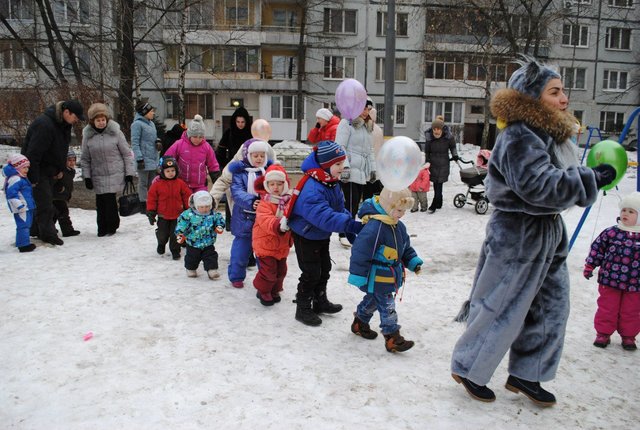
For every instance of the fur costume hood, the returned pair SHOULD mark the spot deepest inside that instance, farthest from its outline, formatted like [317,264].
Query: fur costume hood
[512,106]
[112,128]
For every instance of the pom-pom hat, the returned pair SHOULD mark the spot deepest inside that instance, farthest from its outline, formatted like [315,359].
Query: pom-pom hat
[438,122]
[18,160]
[532,77]
[329,153]
[275,172]
[196,128]
[390,200]
[324,114]
[144,108]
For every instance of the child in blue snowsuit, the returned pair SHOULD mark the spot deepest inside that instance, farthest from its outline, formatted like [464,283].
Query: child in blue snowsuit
[253,165]
[379,256]
[20,199]
[199,226]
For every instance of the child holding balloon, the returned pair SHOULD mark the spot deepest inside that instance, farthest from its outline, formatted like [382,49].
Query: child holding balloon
[520,296]
[617,251]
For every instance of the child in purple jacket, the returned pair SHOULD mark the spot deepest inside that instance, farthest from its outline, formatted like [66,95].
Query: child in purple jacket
[617,251]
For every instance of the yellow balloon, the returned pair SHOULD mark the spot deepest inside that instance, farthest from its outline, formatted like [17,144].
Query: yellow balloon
[501,123]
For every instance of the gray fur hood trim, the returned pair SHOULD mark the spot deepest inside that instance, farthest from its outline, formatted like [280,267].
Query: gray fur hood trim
[112,128]
[512,106]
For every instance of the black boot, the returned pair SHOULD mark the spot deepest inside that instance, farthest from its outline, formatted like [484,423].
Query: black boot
[304,313]
[322,305]
[362,329]
[27,248]
[478,392]
[394,342]
[532,390]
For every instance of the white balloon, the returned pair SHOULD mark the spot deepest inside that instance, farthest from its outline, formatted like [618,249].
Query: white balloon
[398,163]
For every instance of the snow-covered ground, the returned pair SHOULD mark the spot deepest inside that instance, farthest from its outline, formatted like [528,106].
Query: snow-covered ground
[170,352]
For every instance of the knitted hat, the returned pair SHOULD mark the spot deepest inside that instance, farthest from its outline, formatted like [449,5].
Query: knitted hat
[329,153]
[196,128]
[201,198]
[532,77]
[18,160]
[390,200]
[165,163]
[98,109]
[71,153]
[75,107]
[144,108]
[276,172]
[369,102]
[631,201]
[438,122]
[324,114]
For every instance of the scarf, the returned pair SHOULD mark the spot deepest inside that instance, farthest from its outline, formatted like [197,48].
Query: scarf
[319,175]
[281,201]
[383,218]
[253,174]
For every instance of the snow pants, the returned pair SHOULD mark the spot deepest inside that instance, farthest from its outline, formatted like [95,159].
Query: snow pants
[23,224]
[241,250]
[271,274]
[519,300]
[618,310]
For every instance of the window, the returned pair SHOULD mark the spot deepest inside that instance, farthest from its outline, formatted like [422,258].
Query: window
[621,3]
[200,15]
[400,73]
[336,67]
[575,35]
[611,122]
[451,111]
[236,59]
[579,114]
[339,21]
[618,38]
[139,15]
[398,120]
[17,9]
[236,12]
[199,58]
[402,24]
[141,61]
[71,11]
[445,70]
[201,104]
[520,26]
[283,107]
[477,109]
[574,77]
[285,19]
[283,67]
[82,57]
[12,56]
[614,80]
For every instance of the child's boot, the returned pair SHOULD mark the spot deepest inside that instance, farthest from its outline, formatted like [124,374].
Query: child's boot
[304,313]
[394,342]
[265,298]
[192,273]
[27,248]
[322,305]
[361,328]
[213,274]
[602,340]
[629,343]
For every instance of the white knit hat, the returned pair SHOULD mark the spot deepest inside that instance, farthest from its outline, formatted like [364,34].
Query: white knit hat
[631,201]
[324,113]
[201,198]
[390,200]
[275,172]
[18,160]
[258,146]
[196,128]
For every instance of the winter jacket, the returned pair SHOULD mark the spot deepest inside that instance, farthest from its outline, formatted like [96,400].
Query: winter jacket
[143,142]
[18,191]
[233,137]
[533,167]
[436,152]
[381,252]
[194,162]
[327,132]
[106,158]
[267,239]
[47,143]
[168,197]
[319,209]
[617,253]
[422,182]
[199,230]
[357,141]
[63,187]
[170,137]
[243,216]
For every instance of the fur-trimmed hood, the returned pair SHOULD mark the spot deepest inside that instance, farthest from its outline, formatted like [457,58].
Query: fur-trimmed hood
[112,128]
[512,106]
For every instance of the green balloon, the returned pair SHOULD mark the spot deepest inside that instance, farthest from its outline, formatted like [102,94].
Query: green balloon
[609,152]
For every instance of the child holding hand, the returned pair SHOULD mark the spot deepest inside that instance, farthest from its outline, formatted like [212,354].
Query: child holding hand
[379,256]
[419,189]
[271,240]
[617,251]
[19,194]
[199,227]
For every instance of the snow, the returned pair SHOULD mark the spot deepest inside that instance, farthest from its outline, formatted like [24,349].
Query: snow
[171,352]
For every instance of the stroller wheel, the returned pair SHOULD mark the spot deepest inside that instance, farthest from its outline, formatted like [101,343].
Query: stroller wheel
[459,200]
[482,206]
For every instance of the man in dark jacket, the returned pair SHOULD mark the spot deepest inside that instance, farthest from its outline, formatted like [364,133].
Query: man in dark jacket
[46,146]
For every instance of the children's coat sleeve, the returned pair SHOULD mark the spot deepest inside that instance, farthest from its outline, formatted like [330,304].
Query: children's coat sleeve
[362,252]
[598,249]
[185,193]
[324,217]
[152,197]
[241,197]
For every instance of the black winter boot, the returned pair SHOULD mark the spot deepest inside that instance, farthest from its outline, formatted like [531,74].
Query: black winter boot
[304,313]
[396,343]
[322,305]
[362,329]
[478,392]
[532,390]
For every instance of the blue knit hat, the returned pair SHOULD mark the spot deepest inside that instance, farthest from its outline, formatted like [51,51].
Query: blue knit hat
[531,77]
[329,153]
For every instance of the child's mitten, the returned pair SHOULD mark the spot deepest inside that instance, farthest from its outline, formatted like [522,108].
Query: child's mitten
[588,271]
[219,229]
[180,238]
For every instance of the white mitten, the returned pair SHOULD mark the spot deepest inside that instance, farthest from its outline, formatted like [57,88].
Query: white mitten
[284,227]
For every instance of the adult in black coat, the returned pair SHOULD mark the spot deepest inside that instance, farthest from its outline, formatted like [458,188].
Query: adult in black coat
[46,146]
[440,143]
[170,137]
[239,132]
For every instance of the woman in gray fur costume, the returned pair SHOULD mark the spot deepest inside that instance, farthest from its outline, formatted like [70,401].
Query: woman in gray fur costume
[520,296]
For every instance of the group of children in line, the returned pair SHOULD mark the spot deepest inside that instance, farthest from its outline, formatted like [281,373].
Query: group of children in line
[268,218]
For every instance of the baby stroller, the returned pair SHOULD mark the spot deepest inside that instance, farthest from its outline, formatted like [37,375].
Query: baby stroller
[474,178]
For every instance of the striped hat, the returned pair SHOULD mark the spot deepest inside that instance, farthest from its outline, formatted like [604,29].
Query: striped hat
[329,153]
[18,160]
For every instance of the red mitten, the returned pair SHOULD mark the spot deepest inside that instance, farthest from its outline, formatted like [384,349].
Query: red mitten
[219,229]
[181,239]
[588,271]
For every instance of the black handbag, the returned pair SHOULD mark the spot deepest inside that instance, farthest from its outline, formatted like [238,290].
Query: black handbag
[129,202]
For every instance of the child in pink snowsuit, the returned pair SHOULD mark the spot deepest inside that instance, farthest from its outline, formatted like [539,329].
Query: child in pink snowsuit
[419,189]
[617,251]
